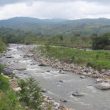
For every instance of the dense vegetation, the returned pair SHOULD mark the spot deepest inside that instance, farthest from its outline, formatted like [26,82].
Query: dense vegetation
[2,46]
[16,36]
[29,97]
[99,59]
[8,98]
[53,27]
[30,94]
[101,42]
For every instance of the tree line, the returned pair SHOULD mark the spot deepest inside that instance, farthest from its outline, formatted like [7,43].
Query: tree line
[94,41]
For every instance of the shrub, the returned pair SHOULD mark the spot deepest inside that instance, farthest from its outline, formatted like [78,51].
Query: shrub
[102,42]
[30,94]
[4,83]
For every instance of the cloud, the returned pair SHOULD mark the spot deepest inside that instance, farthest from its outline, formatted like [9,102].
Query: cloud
[66,9]
[5,2]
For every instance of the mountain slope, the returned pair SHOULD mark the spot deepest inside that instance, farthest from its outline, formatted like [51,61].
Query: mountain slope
[58,26]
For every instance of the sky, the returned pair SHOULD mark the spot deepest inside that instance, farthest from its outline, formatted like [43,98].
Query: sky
[55,9]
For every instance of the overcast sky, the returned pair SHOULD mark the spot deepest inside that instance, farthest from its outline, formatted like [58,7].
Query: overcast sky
[47,9]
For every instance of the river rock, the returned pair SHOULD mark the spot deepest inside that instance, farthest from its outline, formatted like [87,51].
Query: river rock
[77,94]
[7,71]
[61,71]
[43,90]
[29,55]
[82,77]
[9,57]
[65,101]
[42,64]
[19,67]
[99,80]
[62,107]
[61,81]
[103,86]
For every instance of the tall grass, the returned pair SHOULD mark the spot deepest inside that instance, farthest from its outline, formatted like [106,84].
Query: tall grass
[8,98]
[98,59]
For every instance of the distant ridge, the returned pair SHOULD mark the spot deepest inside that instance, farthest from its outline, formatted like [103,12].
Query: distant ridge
[58,26]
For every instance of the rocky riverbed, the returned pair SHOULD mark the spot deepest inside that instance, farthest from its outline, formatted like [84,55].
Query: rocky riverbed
[76,91]
[71,67]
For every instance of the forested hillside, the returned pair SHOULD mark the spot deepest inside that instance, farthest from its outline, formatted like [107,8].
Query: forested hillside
[82,27]
[70,33]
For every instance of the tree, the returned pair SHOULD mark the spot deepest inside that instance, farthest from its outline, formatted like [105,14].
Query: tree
[102,42]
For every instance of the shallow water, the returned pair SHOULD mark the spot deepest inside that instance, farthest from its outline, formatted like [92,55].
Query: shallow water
[59,86]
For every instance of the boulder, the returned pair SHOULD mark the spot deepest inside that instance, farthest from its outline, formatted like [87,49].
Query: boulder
[7,71]
[103,86]
[19,67]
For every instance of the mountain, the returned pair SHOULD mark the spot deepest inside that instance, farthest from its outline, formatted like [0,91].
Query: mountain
[84,27]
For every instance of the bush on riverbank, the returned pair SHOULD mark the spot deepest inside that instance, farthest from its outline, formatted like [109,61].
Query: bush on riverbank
[30,94]
[98,59]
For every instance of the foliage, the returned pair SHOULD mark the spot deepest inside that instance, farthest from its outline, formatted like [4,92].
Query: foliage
[4,83]
[2,46]
[102,42]
[30,94]
[98,59]
[9,101]
[8,98]
[1,68]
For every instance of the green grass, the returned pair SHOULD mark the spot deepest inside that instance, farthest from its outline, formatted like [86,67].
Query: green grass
[98,59]
[8,98]
[2,46]
[4,83]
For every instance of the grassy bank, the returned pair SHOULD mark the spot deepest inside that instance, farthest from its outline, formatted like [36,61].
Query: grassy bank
[98,59]
[2,46]
[28,98]
[8,98]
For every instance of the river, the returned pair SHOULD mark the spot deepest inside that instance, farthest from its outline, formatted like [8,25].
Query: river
[59,86]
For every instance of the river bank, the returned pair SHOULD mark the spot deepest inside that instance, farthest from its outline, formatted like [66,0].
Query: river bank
[71,90]
[71,67]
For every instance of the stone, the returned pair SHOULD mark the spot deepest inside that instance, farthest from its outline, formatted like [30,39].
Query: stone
[99,80]
[82,77]
[62,107]
[43,90]
[9,57]
[77,94]
[17,89]
[7,71]
[42,64]
[19,67]
[65,101]
[61,81]
[103,86]
[48,70]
